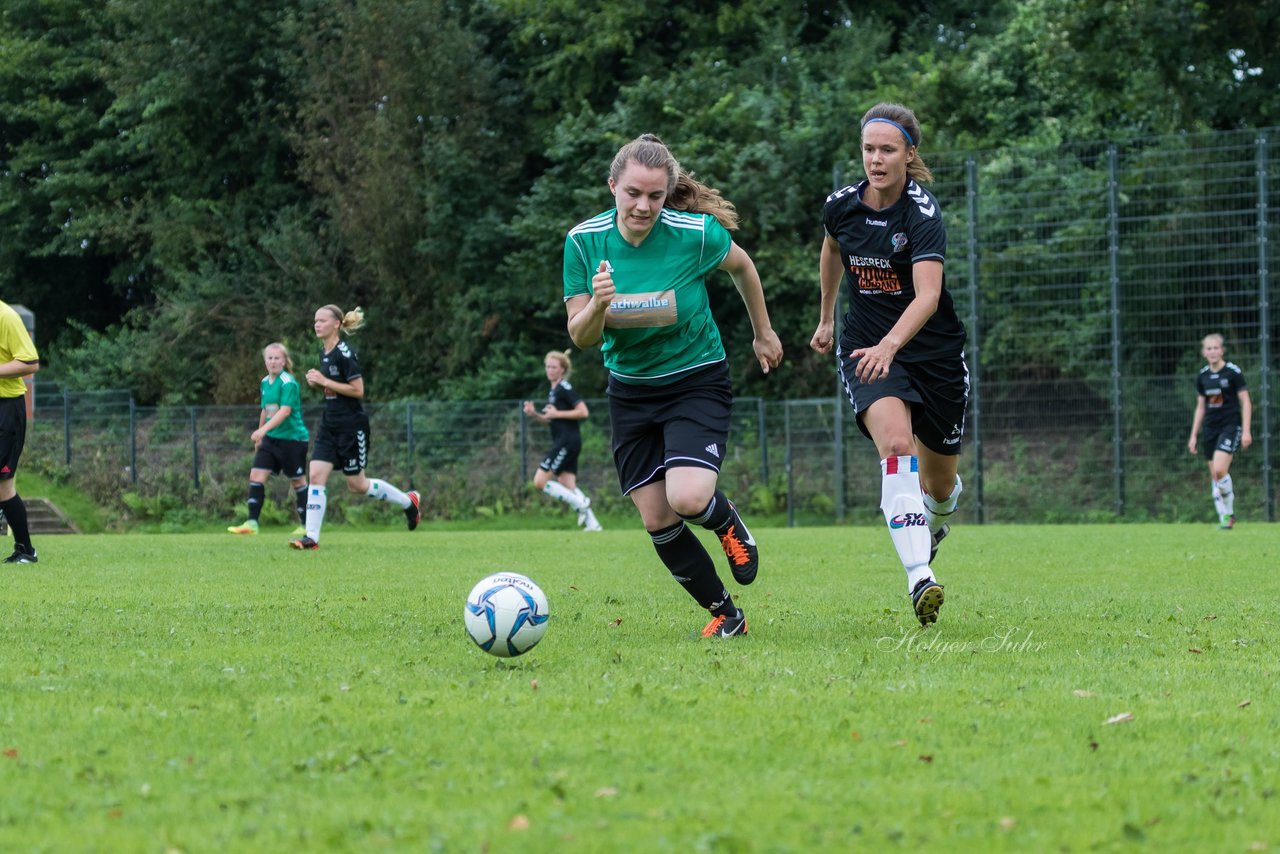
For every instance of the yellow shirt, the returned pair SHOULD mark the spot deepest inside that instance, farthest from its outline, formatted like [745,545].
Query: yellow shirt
[15,343]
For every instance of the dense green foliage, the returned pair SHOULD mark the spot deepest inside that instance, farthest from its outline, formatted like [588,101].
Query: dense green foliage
[182,182]
[200,692]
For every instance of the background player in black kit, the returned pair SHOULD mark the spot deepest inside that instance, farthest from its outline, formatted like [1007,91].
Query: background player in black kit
[1224,410]
[343,437]
[901,348]
[557,474]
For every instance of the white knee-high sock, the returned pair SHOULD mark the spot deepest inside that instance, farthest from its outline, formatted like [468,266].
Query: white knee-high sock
[573,498]
[384,491]
[938,511]
[903,507]
[1223,496]
[317,501]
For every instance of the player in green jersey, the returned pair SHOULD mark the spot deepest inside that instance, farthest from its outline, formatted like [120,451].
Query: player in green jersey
[280,442]
[635,282]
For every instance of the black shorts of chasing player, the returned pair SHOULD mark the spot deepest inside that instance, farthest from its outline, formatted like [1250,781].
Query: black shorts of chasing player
[563,458]
[656,428]
[287,456]
[347,450]
[13,434]
[936,392]
[1225,439]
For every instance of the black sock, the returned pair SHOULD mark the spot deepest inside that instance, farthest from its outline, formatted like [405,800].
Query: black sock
[15,512]
[257,494]
[688,562]
[300,500]
[717,516]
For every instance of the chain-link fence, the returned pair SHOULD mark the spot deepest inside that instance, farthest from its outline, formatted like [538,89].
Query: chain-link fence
[1087,276]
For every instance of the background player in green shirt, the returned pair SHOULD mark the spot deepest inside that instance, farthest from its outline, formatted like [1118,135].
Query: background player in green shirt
[635,282]
[18,359]
[280,441]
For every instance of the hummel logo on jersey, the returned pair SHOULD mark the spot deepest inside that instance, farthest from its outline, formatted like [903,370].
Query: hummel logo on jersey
[714,450]
[880,222]
[921,198]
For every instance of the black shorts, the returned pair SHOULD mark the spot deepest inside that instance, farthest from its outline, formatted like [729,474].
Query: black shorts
[345,449]
[282,455]
[13,434]
[656,428]
[562,458]
[1225,439]
[937,393]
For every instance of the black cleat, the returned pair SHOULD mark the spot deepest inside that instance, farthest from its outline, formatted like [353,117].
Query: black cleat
[726,627]
[412,514]
[304,544]
[22,554]
[927,598]
[740,548]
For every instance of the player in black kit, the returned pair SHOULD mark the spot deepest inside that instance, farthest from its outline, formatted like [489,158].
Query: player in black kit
[557,474]
[343,437]
[1224,410]
[901,348]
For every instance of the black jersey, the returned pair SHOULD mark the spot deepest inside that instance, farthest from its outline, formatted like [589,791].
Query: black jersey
[341,413]
[877,249]
[1221,392]
[562,396]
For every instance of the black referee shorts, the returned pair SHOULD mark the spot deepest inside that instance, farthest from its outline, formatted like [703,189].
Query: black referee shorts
[13,434]
[656,428]
[937,394]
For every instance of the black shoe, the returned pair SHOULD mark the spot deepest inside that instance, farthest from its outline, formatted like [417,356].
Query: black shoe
[22,554]
[411,513]
[938,538]
[726,627]
[927,598]
[304,544]
[740,548]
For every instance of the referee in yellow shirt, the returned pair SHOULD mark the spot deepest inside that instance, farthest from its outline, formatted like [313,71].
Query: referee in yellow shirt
[18,358]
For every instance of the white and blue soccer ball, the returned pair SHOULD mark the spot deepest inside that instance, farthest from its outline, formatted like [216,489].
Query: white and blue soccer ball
[506,614]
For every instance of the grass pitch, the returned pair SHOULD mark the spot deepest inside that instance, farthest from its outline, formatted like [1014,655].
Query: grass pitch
[1085,688]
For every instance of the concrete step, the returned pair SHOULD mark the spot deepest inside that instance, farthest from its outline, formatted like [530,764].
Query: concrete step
[43,517]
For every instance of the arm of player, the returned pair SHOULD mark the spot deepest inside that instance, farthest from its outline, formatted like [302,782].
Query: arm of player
[746,279]
[874,361]
[1246,419]
[1196,421]
[586,313]
[355,388]
[830,271]
[270,424]
[578,413]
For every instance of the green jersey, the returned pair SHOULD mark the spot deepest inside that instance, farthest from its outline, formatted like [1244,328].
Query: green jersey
[659,326]
[284,392]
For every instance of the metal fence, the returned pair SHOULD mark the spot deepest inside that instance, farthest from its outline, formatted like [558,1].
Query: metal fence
[1086,275]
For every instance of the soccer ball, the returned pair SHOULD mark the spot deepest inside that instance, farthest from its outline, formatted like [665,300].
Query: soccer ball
[506,614]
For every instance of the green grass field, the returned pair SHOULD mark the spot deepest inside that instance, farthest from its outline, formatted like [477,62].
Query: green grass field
[208,693]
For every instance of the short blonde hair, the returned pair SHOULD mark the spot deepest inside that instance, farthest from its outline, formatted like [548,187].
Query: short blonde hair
[276,345]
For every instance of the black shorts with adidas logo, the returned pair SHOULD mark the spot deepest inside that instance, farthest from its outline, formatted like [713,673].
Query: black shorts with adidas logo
[13,434]
[685,423]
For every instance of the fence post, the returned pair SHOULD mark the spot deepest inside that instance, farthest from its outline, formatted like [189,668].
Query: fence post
[1113,260]
[786,431]
[762,436]
[195,451]
[133,440]
[66,427]
[408,429]
[975,371]
[1264,332]
[524,445]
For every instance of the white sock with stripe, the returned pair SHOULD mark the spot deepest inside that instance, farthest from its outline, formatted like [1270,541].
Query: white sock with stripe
[384,491]
[1223,497]
[903,507]
[317,501]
